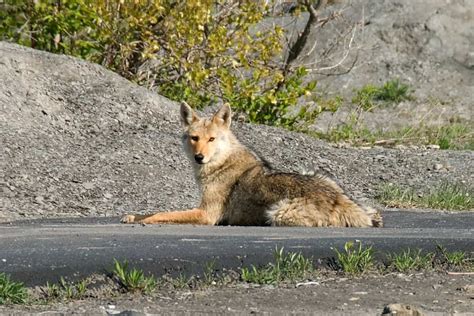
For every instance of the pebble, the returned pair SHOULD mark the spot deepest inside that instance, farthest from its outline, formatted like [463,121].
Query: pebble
[401,309]
[108,195]
[88,185]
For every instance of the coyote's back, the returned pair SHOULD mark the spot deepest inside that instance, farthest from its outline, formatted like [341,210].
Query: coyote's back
[238,189]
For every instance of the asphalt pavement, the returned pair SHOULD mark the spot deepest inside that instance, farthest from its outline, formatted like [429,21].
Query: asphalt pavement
[38,251]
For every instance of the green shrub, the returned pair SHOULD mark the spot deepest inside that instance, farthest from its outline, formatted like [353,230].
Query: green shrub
[198,51]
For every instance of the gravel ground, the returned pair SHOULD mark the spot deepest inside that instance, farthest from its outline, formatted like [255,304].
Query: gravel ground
[431,293]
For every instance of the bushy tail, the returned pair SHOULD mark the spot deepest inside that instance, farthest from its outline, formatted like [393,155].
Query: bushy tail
[305,212]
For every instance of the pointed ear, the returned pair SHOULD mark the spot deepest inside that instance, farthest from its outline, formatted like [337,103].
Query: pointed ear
[188,116]
[223,116]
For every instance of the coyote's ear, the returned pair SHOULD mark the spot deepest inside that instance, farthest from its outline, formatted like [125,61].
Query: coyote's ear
[223,116]
[188,116]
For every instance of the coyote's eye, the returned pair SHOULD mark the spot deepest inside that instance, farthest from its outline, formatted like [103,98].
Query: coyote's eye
[194,138]
[212,139]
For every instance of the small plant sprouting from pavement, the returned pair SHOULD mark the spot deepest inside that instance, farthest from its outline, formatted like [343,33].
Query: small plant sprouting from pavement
[444,196]
[209,274]
[133,280]
[51,291]
[355,259]
[289,266]
[454,259]
[11,292]
[179,282]
[409,260]
[64,290]
[73,291]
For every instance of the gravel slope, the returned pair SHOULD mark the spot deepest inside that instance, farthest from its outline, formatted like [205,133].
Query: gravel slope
[78,140]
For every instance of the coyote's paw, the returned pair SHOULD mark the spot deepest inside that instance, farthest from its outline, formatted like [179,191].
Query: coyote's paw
[128,219]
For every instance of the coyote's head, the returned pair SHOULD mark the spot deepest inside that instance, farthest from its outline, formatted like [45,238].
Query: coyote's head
[207,140]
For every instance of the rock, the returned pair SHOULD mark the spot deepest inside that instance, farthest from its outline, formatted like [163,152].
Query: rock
[469,288]
[88,185]
[401,310]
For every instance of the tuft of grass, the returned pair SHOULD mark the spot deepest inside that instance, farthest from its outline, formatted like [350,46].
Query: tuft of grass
[453,136]
[410,260]
[11,292]
[355,259]
[286,266]
[365,97]
[51,291]
[133,280]
[180,282]
[209,274]
[65,290]
[393,91]
[454,259]
[444,196]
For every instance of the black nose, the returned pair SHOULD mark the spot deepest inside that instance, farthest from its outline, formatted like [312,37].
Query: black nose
[199,158]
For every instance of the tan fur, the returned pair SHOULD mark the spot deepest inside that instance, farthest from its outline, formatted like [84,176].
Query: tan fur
[237,189]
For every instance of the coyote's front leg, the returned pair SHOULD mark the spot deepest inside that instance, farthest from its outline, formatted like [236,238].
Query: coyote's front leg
[194,216]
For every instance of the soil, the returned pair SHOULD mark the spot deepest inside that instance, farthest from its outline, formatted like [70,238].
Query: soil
[80,141]
[431,293]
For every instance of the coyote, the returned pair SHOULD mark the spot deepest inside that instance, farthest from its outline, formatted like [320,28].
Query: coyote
[238,188]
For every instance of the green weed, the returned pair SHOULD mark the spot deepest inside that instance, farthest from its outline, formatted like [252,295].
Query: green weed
[286,266]
[133,280]
[355,259]
[365,97]
[51,291]
[454,259]
[180,282]
[11,292]
[65,290]
[209,275]
[410,260]
[392,91]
